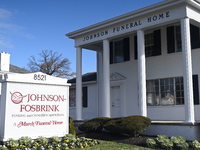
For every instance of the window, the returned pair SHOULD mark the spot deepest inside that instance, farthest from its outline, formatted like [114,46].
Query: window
[85,97]
[179,91]
[195,36]
[152,44]
[153,92]
[178,38]
[72,97]
[196,89]
[119,51]
[169,91]
[174,38]
[149,44]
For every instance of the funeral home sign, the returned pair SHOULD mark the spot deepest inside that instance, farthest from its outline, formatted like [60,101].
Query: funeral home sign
[33,105]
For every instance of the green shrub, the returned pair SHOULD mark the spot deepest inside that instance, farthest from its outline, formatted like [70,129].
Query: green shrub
[11,143]
[167,144]
[131,125]
[3,147]
[95,124]
[69,141]
[71,126]
[69,137]
[183,146]
[54,140]
[179,143]
[25,142]
[160,138]
[196,145]
[164,142]
[151,143]
[41,141]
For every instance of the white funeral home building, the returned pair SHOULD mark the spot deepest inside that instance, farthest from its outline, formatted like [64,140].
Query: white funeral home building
[148,63]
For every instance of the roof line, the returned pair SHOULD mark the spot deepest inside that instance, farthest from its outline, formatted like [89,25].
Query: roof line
[123,17]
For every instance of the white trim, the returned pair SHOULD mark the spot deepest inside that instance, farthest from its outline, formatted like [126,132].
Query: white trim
[116,76]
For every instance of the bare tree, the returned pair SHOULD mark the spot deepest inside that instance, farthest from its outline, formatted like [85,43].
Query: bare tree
[51,63]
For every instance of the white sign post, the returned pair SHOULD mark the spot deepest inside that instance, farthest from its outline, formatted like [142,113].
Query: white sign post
[33,105]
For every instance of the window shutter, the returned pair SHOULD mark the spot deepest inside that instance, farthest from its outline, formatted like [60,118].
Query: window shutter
[126,49]
[194,34]
[111,52]
[170,40]
[196,89]
[85,97]
[157,43]
[135,47]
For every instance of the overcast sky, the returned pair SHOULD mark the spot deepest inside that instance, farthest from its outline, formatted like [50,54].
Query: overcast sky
[29,26]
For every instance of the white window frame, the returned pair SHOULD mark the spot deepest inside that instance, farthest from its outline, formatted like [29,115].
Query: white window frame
[164,97]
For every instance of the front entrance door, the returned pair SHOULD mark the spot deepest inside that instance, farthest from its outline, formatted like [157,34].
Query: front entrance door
[116,102]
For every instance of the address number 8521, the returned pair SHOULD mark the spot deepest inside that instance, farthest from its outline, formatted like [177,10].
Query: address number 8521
[39,77]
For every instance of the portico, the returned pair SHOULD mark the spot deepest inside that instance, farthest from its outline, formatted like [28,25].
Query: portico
[143,67]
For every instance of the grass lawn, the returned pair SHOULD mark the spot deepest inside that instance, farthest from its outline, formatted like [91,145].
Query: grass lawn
[107,145]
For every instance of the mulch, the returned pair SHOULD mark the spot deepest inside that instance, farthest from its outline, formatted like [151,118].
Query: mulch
[126,139]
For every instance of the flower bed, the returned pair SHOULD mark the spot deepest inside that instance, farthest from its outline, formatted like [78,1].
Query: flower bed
[172,143]
[54,143]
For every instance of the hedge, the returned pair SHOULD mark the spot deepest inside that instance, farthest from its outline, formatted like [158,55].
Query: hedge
[131,125]
[95,124]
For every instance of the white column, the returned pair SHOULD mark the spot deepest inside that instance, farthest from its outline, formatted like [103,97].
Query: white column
[142,73]
[187,70]
[106,80]
[99,81]
[78,83]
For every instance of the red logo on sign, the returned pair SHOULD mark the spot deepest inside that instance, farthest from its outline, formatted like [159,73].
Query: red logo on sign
[17,97]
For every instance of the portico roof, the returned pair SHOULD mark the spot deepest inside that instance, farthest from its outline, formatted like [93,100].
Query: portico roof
[130,15]
[159,14]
